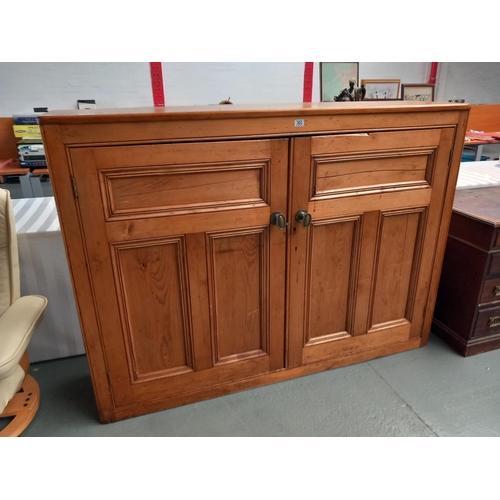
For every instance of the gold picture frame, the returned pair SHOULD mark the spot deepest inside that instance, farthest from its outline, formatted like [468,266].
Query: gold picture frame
[381,90]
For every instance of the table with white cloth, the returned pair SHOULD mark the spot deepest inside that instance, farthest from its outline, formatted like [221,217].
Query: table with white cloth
[44,271]
[478,174]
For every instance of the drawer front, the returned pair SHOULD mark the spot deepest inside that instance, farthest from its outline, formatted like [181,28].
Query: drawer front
[353,163]
[491,291]
[488,322]
[496,239]
[494,267]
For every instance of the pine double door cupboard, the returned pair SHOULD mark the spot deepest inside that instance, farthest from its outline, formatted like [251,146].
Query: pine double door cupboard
[215,249]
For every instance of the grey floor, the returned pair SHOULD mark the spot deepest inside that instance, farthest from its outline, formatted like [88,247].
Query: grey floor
[431,391]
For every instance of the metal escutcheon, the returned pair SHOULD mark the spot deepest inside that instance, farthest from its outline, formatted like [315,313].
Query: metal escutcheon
[304,218]
[279,220]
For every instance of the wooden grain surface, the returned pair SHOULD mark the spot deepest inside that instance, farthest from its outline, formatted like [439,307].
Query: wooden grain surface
[240,110]
[232,302]
[482,204]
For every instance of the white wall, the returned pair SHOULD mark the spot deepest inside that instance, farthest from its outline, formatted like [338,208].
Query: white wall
[253,83]
[245,83]
[59,85]
[24,86]
[476,82]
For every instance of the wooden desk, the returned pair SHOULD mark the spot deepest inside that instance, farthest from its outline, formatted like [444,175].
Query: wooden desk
[467,313]
[486,119]
[477,141]
[11,166]
[30,181]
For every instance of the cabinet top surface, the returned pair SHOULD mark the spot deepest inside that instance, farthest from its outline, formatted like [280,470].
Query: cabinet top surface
[242,111]
[480,203]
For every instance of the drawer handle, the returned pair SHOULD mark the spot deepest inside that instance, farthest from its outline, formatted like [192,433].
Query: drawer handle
[304,218]
[496,292]
[279,220]
[494,321]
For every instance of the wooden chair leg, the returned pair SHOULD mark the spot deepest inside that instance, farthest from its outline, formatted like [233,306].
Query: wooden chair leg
[23,407]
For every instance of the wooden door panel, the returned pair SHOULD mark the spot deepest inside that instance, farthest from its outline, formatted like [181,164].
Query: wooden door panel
[394,266]
[185,189]
[159,226]
[390,185]
[341,174]
[238,271]
[160,341]
[184,284]
[374,141]
[331,279]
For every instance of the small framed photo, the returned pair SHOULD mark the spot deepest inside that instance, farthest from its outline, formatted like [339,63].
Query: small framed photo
[334,78]
[381,90]
[417,92]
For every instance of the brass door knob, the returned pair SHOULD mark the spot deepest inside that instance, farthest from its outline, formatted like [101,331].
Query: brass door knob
[304,218]
[279,220]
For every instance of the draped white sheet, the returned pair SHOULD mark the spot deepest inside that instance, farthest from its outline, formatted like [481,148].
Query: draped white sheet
[44,271]
[478,174]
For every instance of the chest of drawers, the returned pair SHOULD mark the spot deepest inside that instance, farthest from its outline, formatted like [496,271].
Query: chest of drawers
[467,313]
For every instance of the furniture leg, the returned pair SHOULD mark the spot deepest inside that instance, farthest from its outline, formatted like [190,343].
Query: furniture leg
[36,186]
[26,186]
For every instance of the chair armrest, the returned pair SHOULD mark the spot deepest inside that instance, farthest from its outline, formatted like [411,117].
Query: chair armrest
[17,325]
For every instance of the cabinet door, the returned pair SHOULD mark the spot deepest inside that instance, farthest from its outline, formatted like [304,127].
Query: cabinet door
[360,273]
[187,273]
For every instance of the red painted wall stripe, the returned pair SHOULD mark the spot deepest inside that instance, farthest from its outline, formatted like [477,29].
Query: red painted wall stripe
[157,83]
[308,81]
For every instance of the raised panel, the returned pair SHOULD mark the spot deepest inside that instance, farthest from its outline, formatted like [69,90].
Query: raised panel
[332,265]
[334,174]
[152,286]
[239,275]
[184,189]
[399,242]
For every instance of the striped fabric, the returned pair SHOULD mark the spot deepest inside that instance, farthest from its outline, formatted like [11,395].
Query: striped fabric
[36,215]
[44,271]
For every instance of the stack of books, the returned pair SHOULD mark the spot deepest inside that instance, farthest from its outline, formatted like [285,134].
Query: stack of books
[30,147]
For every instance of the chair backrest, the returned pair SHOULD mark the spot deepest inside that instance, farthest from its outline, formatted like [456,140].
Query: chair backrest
[9,258]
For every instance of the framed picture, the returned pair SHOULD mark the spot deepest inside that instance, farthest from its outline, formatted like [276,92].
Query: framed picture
[335,76]
[417,92]
[381,89]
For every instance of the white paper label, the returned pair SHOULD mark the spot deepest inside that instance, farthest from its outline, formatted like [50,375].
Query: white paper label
[300,123]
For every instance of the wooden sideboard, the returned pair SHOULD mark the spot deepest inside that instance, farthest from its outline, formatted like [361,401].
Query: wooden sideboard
[215,249]
[467,313]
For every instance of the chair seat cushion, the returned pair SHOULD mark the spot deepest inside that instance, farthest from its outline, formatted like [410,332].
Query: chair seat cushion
[17,325]
[9,386]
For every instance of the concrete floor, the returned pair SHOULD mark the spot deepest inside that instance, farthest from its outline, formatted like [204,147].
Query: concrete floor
[431,391]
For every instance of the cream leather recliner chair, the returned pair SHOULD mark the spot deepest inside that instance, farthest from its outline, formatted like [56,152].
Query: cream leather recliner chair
[19,318]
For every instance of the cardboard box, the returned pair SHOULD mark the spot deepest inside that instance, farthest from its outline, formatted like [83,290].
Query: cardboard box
[28,131]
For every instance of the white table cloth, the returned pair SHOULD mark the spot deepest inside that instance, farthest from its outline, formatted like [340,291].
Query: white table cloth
[44,271]
[478,174]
